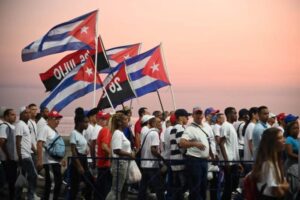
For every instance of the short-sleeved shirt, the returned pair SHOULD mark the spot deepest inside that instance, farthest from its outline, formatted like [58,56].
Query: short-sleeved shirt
[176,152]
[40,125]
[22,130]
[7,132]
[167,145]
[247,137]
[144,131]
[239,125]
[209,131]
[258,130]
[47,135]
[231,141]
[268,173]
[103,137]
[194,133]
[80,142]
[119,141]
[33,131]
[294,143]
[152,139]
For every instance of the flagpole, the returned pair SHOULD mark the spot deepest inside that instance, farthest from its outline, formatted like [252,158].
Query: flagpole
[172,93]
[96,61]
[162,108]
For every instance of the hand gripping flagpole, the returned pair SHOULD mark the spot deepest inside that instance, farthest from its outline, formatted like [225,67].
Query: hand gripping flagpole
[172,93]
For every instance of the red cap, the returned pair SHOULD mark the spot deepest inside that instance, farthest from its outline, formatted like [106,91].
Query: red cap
[280,116]
[173,119]
[103,115]
[54,114]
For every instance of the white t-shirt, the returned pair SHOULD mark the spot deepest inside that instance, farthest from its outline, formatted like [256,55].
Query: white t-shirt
[89,132]
[40,125]
[119,141]
[239,125]
[151,140]
[80,142]
[47,135]
[144,131]
[167,144]
[217,132]
[33,131]
[7,131]
[194,133]
[209,131]
[22,129]
[231,143]
[268,177]
[248,136]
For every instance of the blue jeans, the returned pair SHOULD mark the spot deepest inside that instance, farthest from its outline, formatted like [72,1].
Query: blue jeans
[197,169]
[29,170]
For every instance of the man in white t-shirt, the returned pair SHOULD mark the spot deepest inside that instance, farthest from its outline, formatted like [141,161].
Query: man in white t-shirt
[24,150]
[42,122]
[220,118]
[45,137]
[196,140]
[151,175]
[230,152]
[8,146]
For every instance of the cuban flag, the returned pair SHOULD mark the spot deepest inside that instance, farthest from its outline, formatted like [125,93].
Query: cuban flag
[118,55]
[79,82]
[147,72]
[78,33]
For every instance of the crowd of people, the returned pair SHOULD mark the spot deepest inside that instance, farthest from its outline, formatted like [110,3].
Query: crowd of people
[181,152]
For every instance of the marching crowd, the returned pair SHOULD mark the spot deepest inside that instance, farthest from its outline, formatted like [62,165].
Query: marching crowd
[184,151]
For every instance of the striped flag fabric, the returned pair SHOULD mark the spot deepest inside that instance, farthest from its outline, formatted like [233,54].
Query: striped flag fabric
[78,33]
[79,82]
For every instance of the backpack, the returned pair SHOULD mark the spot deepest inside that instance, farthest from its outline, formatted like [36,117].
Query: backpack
[56,148]
[250,189]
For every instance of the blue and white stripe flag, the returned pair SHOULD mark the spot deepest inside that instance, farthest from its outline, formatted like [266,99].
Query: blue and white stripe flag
[78,33]
[79,82]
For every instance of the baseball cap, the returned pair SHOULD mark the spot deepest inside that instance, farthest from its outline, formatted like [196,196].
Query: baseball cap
[280,116]
[22,109]
[173,119]
[272,115]
[196,109]
[146,118]
[54,114]
[290,118]
[182,112]
[103,115]
[210,110]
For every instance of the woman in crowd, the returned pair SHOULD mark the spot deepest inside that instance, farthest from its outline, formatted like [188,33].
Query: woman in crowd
[79,148]
[268,169]
[121,148]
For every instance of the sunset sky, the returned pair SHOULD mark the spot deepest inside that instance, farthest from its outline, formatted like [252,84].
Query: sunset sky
[218,53]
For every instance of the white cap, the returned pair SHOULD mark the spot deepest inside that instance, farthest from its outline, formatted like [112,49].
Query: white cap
[272,115]
[146,118]
[22,109]
[2,109]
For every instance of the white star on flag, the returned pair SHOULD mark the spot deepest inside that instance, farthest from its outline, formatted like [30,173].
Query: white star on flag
[154,67]
[89,71]
[84,29]
[126,57]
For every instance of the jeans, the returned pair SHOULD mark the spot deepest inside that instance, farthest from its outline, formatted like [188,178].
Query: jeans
[10,167]
[29,170]
[119,170]
[56,170]
[197,181]
[231,177]
[103,184]
[153,178]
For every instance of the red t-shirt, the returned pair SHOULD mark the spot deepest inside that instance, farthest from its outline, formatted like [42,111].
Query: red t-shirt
[137,128]
[104,136]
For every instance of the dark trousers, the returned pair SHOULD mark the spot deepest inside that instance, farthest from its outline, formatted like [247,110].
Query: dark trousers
[10,168]
[103,183]
[197,180]
[231,176]
[178,185]
[151,177]
[76,178]
[56,170]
